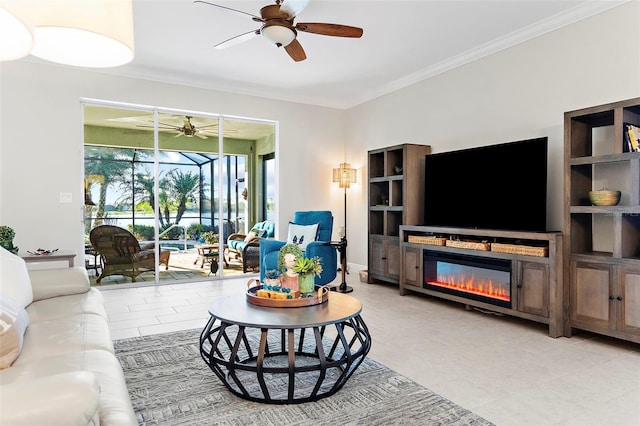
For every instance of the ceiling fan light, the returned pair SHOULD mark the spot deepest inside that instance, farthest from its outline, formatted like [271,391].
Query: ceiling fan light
[96,33]
[278,34]
[15,36]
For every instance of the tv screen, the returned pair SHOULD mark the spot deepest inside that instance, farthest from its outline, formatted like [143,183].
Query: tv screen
[500,186]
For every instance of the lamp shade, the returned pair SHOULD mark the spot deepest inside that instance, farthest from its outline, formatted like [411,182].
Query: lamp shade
[85,33]
[278,34]
[344,175]
[16,38]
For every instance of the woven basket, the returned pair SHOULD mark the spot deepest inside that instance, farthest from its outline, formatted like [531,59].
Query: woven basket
[425,239]
[604,197]
[473,245]
[518,249]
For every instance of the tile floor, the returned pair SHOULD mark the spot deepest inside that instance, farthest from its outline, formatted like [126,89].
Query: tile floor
[504,369]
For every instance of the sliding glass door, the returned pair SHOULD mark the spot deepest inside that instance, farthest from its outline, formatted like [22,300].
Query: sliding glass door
[178,183]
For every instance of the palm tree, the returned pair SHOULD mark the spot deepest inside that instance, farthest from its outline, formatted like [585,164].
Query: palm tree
[141,190]
[184,188]
[111,164]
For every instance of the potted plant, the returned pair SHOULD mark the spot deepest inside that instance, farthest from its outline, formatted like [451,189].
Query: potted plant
[307,269]
[7,234]
[211,237]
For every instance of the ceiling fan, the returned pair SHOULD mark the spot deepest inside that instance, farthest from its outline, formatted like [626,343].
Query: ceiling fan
[279,29]
[188,129]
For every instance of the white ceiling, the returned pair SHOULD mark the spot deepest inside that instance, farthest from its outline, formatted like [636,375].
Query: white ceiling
[403,42]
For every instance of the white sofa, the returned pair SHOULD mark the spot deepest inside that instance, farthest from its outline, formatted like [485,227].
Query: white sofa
[56,354]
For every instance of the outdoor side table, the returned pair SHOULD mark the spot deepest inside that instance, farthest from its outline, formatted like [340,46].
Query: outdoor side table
[284,355]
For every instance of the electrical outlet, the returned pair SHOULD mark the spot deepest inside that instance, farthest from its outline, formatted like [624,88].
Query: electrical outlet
[66,197]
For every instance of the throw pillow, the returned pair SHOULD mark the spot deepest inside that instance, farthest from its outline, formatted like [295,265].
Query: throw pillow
[13,323]
[250,236]
[302,234]
[14,278]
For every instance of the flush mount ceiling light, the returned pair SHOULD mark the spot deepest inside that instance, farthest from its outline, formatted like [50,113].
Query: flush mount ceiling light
[16,39]
[85,33]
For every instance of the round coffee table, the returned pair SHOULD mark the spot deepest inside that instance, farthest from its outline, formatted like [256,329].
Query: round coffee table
[285,355]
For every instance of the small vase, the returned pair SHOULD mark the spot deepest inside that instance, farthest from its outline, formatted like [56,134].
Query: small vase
[307,283]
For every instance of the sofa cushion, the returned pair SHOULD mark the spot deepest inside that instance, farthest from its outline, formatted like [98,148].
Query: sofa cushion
[302,234]
[13,323]
[72,333]
[91,302]
[61,399]
[14,278]
[115,404]
[64,281]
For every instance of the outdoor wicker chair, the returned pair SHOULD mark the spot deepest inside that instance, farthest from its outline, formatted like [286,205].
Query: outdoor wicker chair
[122,254]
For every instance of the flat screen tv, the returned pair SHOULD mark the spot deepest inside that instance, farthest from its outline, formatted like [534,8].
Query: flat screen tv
[500,186]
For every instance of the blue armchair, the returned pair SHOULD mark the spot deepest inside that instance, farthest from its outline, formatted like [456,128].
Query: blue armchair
[269,248]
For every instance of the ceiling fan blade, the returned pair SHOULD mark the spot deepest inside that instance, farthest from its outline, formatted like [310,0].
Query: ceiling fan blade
[295,50]
[201,136]
[293,7]
[335,30]
[237,39]
[166,127]
[228,9]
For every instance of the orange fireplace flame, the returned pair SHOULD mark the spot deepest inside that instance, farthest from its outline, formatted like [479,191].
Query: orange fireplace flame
[470,284]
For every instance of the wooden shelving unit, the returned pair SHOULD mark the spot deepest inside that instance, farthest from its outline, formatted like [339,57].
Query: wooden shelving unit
[602,243]
[396,175]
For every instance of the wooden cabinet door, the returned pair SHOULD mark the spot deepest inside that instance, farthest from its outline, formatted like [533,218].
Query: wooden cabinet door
[412,266]
[377,261]
[533,288]
[629,316]
[591,285]
[393,259]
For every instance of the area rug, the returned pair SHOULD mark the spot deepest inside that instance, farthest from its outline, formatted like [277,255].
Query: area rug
[170,384]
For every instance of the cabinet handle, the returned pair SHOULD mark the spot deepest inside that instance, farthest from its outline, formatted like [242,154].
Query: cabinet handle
[619,297]
[417,267]
[383,258]
[611,297]
[519,286]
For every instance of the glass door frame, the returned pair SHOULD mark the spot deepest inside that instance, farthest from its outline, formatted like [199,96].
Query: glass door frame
[156,149]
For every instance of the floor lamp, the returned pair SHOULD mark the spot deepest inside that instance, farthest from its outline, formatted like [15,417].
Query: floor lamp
[344,176]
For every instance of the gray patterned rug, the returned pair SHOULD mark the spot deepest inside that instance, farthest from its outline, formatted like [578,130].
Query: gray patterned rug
[170,384]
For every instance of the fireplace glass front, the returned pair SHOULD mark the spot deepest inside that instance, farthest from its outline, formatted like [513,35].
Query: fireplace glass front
[483,279]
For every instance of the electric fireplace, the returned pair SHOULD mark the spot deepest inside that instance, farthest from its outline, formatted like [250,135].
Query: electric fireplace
[476,278]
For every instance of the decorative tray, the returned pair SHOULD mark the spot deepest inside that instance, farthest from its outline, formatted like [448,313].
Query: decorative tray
[321,295]
[42,252]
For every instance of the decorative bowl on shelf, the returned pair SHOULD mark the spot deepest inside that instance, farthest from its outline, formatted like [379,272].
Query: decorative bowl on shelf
[604,197]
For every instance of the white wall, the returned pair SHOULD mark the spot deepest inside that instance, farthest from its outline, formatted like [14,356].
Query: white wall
[41,146]
[519,93]
[516,94]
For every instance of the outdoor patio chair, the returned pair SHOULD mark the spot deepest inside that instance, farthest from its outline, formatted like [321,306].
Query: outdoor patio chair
[122,254]
[246,248]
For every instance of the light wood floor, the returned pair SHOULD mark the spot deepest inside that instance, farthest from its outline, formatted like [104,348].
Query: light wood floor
[504,369]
